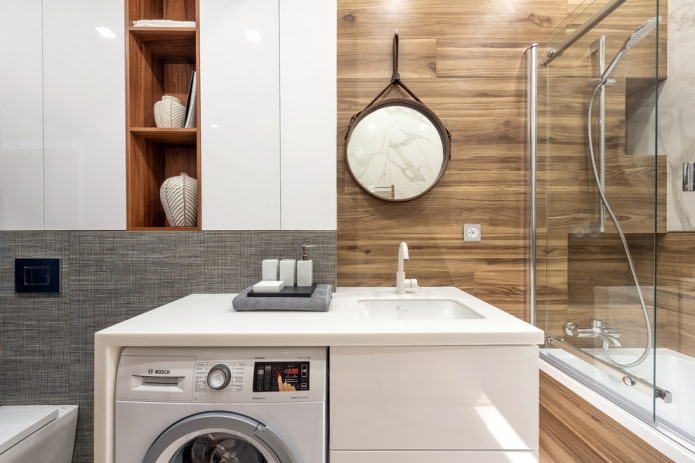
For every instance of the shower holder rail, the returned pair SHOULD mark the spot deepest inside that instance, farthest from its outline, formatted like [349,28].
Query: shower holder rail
[627,378]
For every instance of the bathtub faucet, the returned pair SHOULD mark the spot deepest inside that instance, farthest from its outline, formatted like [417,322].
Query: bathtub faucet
[606,333]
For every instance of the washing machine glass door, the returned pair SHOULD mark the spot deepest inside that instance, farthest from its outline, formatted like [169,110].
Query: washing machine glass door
[218,437]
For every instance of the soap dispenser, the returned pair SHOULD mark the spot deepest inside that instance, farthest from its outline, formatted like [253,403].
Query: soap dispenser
[305,268]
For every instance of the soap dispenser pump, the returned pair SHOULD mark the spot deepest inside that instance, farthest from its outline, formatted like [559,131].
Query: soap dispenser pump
[305,270]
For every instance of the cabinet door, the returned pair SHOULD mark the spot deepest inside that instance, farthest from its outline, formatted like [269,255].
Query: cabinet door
[84,114]
[308,111]
[434,398]
[240,107]
[21,128]
[434,457]
[268,117]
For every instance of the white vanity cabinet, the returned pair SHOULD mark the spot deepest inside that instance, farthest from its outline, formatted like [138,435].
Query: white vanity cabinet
[437,389]
[433,403]
[268,121]
[62,122]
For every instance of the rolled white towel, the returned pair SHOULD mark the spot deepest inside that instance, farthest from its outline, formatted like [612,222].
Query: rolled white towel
[162,23]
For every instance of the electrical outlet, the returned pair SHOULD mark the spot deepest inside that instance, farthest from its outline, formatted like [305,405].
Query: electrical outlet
[471,232]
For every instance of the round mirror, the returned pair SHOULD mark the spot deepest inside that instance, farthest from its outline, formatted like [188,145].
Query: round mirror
[397,150]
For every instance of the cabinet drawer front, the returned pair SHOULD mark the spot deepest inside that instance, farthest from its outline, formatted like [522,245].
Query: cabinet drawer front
[434,398]
[433,457]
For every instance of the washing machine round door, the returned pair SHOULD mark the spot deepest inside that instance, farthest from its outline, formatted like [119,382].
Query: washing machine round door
[218,437]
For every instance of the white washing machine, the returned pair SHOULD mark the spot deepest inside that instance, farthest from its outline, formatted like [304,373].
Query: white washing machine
[221,405]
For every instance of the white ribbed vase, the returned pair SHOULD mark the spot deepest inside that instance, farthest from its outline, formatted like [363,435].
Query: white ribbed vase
[169,112]
[179,196]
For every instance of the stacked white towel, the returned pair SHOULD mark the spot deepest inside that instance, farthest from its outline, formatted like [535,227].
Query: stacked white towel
[162,23]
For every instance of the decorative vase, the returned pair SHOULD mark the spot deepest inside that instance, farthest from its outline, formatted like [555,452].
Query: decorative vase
[179,196]
[169,112]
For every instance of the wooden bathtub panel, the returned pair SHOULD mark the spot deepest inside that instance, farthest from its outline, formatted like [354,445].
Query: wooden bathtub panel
[573,430]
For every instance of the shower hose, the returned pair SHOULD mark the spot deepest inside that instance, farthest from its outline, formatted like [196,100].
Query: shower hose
[614,219]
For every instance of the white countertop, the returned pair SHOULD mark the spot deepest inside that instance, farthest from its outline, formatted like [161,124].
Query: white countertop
[210,320]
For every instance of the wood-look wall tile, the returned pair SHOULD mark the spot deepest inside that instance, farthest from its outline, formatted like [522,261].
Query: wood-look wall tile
[450,18]
[372,59]
[465,61]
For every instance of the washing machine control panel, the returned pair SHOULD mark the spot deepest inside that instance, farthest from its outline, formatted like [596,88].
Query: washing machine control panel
[222,375]
[281,376]
[268,376]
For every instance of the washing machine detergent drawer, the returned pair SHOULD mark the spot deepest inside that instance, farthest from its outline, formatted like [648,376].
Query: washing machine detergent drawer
[241,405]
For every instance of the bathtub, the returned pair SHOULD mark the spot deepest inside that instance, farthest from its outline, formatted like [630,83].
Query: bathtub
[673,431]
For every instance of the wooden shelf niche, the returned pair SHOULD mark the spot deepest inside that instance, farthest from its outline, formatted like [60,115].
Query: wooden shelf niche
[160,61]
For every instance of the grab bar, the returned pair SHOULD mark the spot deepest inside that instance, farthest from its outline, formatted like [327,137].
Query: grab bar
[579,32]
[627,378]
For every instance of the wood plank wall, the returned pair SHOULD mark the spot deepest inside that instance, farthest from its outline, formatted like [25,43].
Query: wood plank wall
[465,60]
[675,285]
[676,292]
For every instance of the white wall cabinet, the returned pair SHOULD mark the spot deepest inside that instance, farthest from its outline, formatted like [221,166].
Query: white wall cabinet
[308,117]
[433,403]
[84,115]
[240,107]
[268,115]
[268,80]
[62,118]
[21,116]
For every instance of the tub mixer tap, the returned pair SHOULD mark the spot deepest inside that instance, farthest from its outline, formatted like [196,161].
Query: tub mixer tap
[598,329]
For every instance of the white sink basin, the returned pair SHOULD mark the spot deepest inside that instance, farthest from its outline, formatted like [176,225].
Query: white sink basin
[414,309]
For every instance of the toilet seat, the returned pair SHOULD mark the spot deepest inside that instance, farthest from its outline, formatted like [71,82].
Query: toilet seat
[19,422]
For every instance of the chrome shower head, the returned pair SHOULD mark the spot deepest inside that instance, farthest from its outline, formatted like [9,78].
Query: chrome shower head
[637,36]
[641,32]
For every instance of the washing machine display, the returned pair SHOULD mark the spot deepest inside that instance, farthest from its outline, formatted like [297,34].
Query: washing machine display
[281,376]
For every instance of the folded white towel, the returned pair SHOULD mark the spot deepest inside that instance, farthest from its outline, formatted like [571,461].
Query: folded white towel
[162,23]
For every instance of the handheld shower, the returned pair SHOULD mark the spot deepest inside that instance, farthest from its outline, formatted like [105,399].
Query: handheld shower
[640,33]
[636,37]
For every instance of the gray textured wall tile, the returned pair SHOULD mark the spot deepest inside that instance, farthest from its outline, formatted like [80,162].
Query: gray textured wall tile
[108,277]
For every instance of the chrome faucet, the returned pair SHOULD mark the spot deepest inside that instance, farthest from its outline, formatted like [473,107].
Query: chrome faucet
[401,282]
[606,333]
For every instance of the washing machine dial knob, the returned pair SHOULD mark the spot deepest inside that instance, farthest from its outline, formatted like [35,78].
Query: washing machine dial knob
[219,377]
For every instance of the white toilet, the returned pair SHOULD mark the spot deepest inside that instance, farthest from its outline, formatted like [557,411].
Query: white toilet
[44,433]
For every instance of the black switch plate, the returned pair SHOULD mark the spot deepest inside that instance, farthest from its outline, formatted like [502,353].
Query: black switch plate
[37,275]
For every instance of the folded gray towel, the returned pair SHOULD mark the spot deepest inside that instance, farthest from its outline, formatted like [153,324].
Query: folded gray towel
[317,302]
